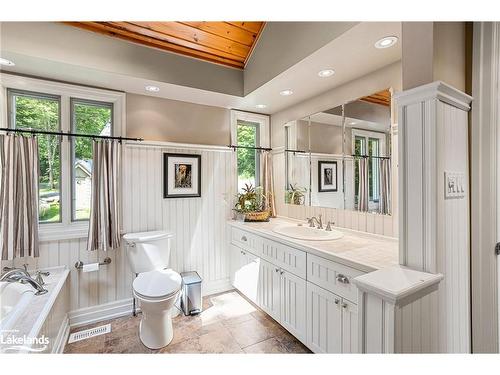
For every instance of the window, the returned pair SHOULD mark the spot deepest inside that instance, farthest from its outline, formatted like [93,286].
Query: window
[87,117]
[371,144]
[248,159]
[248,130]
[42,112]
[65,163]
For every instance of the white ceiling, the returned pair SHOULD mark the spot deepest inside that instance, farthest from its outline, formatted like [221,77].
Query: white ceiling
[351,55]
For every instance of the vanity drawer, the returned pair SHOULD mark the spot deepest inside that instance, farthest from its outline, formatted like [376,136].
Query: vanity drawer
[288,258]
[332,276]
[245,240]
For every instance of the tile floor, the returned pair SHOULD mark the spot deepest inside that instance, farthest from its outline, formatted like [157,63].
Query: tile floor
[228,324]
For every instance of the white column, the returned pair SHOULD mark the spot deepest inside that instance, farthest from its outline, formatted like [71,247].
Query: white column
[434,201]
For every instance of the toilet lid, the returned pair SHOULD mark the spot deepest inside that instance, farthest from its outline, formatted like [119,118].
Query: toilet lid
[157,283]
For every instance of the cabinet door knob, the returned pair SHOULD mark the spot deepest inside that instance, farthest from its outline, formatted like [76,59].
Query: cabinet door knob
[244,238]
[276,270]
[342,279]
[282,272]
[344,305]
[337,301]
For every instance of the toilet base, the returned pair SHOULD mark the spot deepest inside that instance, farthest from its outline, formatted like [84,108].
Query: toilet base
[155,330]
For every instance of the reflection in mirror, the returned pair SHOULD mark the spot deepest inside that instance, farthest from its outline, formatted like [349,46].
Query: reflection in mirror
[368,159]
[326,152]
[297,163]
[341,157]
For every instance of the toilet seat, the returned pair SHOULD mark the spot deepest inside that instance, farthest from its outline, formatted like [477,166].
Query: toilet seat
[157,284]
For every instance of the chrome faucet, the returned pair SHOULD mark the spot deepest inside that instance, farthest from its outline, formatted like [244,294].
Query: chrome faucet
[22,276]
[25,269]
[317,220]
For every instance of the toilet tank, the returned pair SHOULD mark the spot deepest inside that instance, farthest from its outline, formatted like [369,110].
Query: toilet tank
[148,251]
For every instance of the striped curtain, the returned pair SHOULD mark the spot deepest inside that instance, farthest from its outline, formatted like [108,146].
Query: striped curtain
[267,182]
[363,184]
[385,186]
[18,196]
[105,222]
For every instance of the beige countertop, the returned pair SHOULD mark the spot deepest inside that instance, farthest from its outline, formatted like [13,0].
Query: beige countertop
[363,251]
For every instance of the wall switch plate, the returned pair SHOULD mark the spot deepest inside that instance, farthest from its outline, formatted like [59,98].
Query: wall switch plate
[454,185]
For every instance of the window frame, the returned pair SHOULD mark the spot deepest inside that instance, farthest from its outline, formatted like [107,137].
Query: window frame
[72,125]
[66,229]
[263,138]
[367,135]
[11,124]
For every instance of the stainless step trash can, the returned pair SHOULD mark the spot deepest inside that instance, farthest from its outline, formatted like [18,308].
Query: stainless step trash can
[191,302]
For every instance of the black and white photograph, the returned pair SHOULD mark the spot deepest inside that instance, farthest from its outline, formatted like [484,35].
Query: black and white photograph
[327,176]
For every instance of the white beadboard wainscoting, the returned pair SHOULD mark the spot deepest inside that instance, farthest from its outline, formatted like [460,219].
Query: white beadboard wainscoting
[434,231]
[198,225]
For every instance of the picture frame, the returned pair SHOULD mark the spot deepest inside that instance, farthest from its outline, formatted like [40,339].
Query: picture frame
[181,175]
[327,176]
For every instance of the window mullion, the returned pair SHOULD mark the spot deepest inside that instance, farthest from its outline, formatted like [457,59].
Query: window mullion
[65,162]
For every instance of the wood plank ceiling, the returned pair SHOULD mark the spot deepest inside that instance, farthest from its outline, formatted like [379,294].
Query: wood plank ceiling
[382,97]
[226,43]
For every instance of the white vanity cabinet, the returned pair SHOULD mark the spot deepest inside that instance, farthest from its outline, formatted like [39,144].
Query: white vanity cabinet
[312,297]
[269,289]
[245,272]
[331,322]
[324,320]
[293,304]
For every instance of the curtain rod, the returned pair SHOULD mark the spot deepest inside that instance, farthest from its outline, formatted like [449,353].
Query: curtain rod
[34,131]
[369,156]
[234,147]
[296,151]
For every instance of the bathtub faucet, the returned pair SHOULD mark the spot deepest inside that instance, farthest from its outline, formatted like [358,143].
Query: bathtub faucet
[21,276]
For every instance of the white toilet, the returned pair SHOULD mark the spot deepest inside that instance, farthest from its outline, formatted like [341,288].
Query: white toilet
[156,287]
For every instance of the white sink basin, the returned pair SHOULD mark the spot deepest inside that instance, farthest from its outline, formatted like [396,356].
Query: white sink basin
[307,234]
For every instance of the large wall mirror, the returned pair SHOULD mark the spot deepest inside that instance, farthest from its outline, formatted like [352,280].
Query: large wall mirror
[341,157]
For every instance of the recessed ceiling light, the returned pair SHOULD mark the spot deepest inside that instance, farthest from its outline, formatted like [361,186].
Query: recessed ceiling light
[326,73]
[286,92]
[261,106]
[6,62]
[152,88]
[386,42]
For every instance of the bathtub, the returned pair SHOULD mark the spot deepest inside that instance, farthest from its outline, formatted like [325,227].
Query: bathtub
[14,299]
[31,323]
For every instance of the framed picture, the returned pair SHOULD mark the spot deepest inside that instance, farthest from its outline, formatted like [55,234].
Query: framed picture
[181,175]
[327,176]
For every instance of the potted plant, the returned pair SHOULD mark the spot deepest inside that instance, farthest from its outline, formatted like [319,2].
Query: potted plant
[295,195]
[250,204]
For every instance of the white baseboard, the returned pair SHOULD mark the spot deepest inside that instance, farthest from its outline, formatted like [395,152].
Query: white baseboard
[116,309]
[62,337]
[98,313]
[215,287]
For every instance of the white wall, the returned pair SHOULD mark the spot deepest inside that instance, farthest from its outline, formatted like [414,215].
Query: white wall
[198,225]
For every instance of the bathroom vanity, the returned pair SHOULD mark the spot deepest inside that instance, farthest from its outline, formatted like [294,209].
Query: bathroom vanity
[307,285]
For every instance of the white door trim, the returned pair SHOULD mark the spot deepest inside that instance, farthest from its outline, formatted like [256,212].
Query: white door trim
[485,192]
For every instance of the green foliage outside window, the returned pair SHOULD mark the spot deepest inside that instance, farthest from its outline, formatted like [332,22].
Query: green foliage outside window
[43,114]
[247,136]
